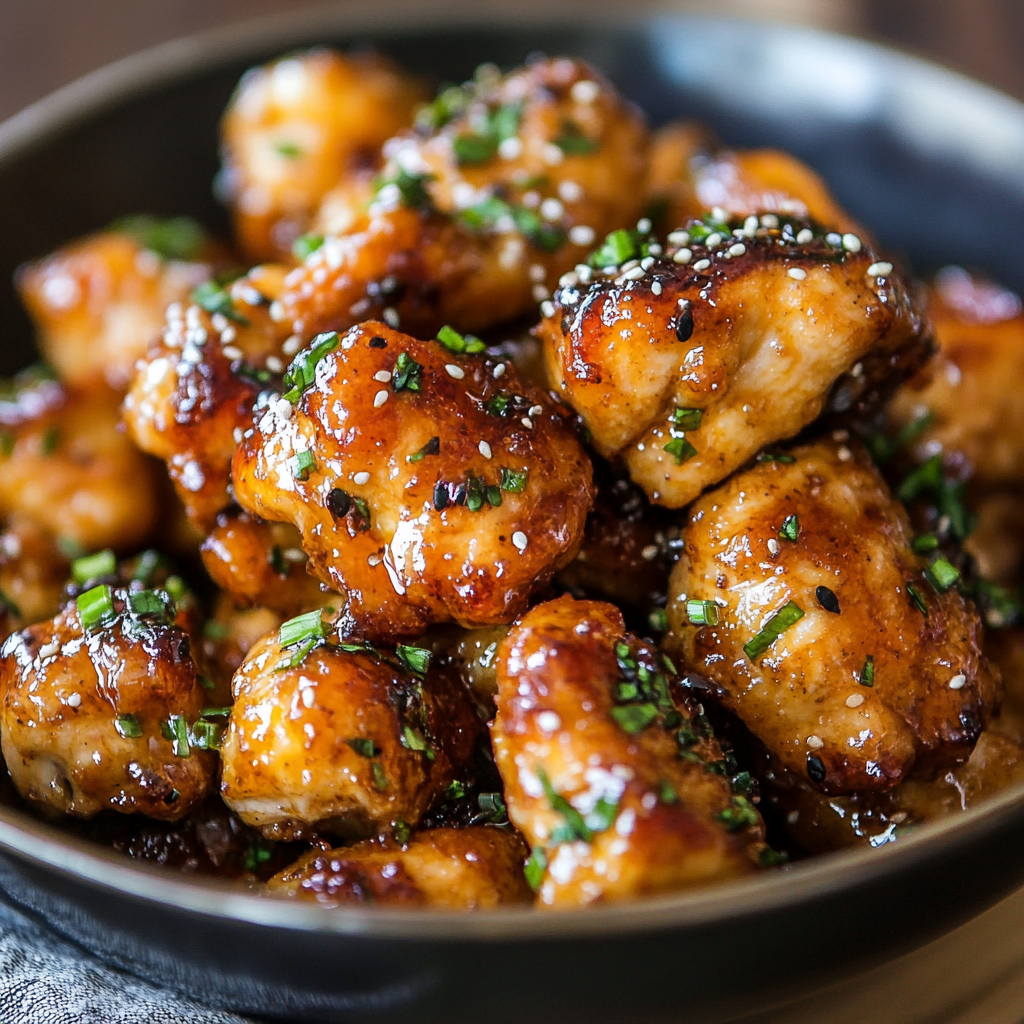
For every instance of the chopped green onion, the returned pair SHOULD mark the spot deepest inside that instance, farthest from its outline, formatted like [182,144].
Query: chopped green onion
[412,188]
[918,598]
[216,631]
[780,457]
[617,248]
[773,858]
[407,374]
[942,575]
[573,142]
[258,853]
[308,626]
[207,735]
[303,463]
[788,615]
[739,815]
[413,739]
[7,443]
[223,712]
[305,245]
[926,543]
[681,449]
[459,343]
[512,480]
[102,563]
[150,604]
[301,372]
[926,477]
[415,659]
[473,149]
[634,718]
[206,683]
[364,747]
[380,780]
[128,727]
[493,805]
[790,528]
[48,445]
[657,619]
[95,607]
[175,729]
[867,674]
[215,298]
[178,238]
[667,793]
[432,447]
[402,831]
[742,783]
[499,404]
[456,790]
[687,419]
[289,150]
[535,868]
[450,102]
[702,613]
[574,826]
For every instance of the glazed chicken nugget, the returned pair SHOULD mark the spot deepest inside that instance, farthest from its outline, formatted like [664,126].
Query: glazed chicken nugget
[428,485]
[850,657]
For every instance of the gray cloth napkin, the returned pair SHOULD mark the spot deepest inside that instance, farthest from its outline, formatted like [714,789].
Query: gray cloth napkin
[45,980]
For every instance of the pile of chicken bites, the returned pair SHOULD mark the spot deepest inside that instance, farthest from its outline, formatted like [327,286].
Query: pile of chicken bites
[556,511]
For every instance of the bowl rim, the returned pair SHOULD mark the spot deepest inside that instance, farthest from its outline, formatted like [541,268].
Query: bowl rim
[73,858]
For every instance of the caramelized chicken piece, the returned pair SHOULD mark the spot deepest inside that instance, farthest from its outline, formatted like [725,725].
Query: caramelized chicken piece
[997,541]
[292,130]
[456,868]
[689,174]
[505,186]
[66,467]
[615,783]
[474,655]
[228,636]
[339,739]
[261,563]
[193,393]
[99,302]
[32,576]
[798,594]
[970,405]
[427,486]
[687,363]
[101,709]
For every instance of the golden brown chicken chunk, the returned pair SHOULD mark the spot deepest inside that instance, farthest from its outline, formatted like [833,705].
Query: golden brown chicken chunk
[690,173]
[262,563]
[102,709]
[429,486]
[456,868]
[335,737]
[227,637]
[193,393]
[66,467]
[505,186]
[99,302]
[33,572]
[970,405]
[687,363]
[618,786]
[847,655]
[292,130]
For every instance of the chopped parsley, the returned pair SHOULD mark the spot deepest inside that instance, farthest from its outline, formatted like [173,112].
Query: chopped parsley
[740,814]
[634,718]
[788,615]
[681,449]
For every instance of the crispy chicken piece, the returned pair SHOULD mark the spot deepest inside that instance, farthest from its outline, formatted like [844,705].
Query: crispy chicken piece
[294,128]
[33,572]
[99,302]
[690,173]
[504,187]
[606,775]
[341,740]
[798,594]
[100,709]
[261,563]
[689,362]
[970,403]
[428,486]
[474,655]
[67,468]
[195,389]
[455,868]
[227,637]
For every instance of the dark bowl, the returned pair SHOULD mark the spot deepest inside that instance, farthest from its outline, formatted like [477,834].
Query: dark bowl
[931,162]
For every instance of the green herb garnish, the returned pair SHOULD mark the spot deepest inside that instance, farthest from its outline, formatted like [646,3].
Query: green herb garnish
[305,245]
[918,598]
[459,343]
[681,449]
[432,447]
[702,613]
[177,238]
[535,867]
[128,727]
[740,814]
[414,659]
[95,607]
[102,563]
[788,615]
[687,419]
[215,298]
[573,141]
[302,628]
[790,528]
[513,481]
[301,372]
[407,374]
[634,718]
[364,747]
[175,729]
[303,463]
[867,673]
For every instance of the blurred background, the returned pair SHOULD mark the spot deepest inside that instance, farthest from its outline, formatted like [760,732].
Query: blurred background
[47,43]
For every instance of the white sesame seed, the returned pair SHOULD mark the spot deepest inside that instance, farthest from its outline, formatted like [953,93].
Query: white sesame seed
[654,249]
[879,269]
[568,279]
[391,317]
[553,156]
[683,256]
[719,213]
[520,540]
[498,371]
[793,817]
[548,721]
[277,313]
[535,410]
[373,560]
[526,422]
[570,192]
[857,371]
[531,199]
[581,234]
[585,91]
[383,376]
[844,453]
[770,221]
[815,742]
[958,682]
[510,148]
[649,553]
[49,650]
[231,352]
[379,399]
[237,435]
[274,365]
[643,225]
[834,238]
[701,265]
[629,265]
[647,262]
[656,287]
[74,700]
[855,700]
[537,272]
[540,293]
[454,371]
[750,226]
[804,236]
[547,308]
[551,209]
[633,275]
[773,546]
[292,345]
[797,273]
[361,478]
[679,238]
[485,449]
[851,243]
[738,249]
[714,240]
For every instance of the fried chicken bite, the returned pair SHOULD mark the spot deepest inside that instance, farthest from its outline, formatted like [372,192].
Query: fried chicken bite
[193,393]
[686,363]
[846,654]
[428,486]
[455,868]
[227,637]
[294,128]
[102,709]
[262,563]
[99,302]
[610,773]
[335,737]
[33,572]
[691,173]
[503,187]
[67,468]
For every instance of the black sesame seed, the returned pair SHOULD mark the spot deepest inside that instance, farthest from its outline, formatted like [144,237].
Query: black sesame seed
[815,768]
[684,324]
[827,600]
[378,342]
[971,724]
[184,649]
[441,498]
[339,502]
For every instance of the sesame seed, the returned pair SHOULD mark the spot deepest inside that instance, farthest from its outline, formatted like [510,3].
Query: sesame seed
[526,422]
[49,650]
[548,721]
[656,287]
[383,376]
[773,546]
[647,262]
[537,272]
[855,700]
[654,249]
[844,453]
[274,365]
[958,682]
[547,308]
[498,370]
[815,742]
[520,540]
[231,352]
[454,371]
[373,560]
[633,275]
[277,313]
[581,234]
[805,236]
[540,293]
[531,199]
[701,265]
[485,449]
[553,156]
[683,256]
[720,213]
[770,221]
[679,238]
[643,225]
[391,317]
[551,209]
[585,91]
[629,265]
[361,478]
[379,399]
[879,269]
[510,148]
[570,192]
[535,410]
[292,345]
[568,279]
[713,241]
[237,435]
[834,238]
[852,243]
[750,226]
[74,700]
[797,273]
[793,817]
[738,249]
[649,553]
